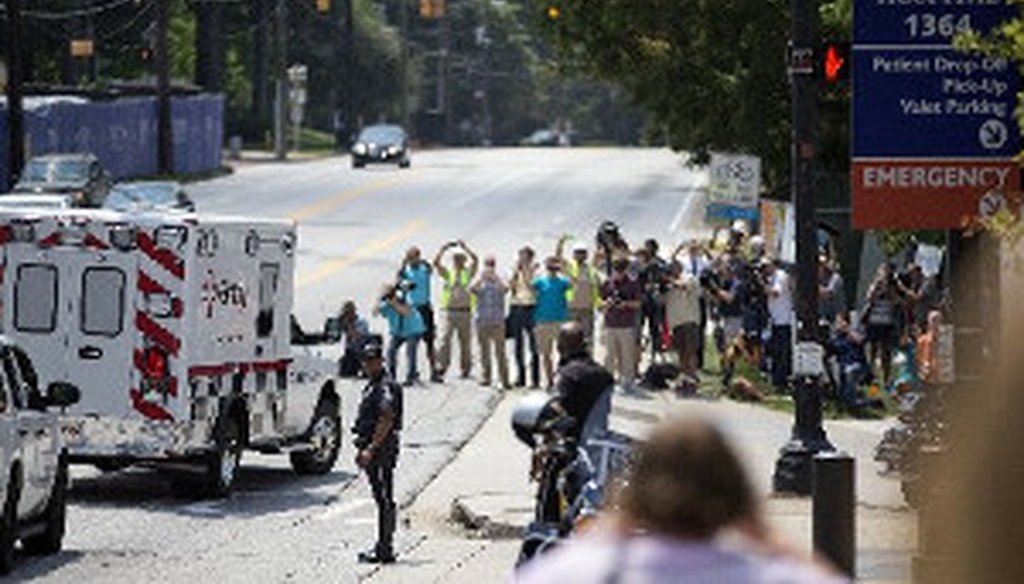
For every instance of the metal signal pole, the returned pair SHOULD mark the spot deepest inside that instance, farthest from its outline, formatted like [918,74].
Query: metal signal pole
[794,466]
[280,80]
[350,76]
[15,111]
[164,137]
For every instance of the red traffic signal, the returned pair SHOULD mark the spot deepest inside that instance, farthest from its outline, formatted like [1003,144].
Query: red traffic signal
[835,63]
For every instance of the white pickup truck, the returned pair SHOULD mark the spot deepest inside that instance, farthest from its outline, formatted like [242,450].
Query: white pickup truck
[32,458]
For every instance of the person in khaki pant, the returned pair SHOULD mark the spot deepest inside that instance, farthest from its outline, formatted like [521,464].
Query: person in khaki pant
[457,302]
[489,291]
[620,300]
[585,296]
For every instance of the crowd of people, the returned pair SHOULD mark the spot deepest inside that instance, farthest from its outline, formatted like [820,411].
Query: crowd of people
[643,307]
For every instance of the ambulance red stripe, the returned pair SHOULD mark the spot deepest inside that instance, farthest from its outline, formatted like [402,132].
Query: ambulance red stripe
[267,366]
[93,242]
[165,257]
[216,370]
[148,285]
[52,240]
[149,409]
[211,370]
[162,336]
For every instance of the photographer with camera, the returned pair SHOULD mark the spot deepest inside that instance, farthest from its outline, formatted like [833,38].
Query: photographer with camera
[653,276]
[405,327]
[696,264]
[682,310]
[610,245]
[457,302]
[881,317]
[552,310]
[779,289]
[354,331]
[416,273]
[490,291]
[621,301]
[520,325]
[584,296]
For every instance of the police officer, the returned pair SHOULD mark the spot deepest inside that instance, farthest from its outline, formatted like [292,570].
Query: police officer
[583,387]
[376,430]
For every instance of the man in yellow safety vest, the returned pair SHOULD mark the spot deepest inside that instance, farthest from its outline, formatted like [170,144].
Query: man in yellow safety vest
[585,295]
[457,303]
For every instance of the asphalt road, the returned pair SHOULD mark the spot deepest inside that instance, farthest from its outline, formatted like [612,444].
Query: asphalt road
[354,228]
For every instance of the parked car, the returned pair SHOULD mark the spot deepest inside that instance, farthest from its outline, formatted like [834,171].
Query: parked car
[381,143]
[79,175]
[11,201]
[33,458]
[147,196]
[543,137]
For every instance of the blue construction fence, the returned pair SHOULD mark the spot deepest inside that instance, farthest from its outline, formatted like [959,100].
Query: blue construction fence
[122,134]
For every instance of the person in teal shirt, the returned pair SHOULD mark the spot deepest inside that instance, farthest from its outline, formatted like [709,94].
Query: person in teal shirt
[416,272]
[552,310]
[405,327]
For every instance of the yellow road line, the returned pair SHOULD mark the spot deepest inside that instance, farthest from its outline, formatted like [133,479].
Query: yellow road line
[366,251]
[329,204]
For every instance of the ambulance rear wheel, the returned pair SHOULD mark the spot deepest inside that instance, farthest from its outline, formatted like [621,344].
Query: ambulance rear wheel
[223,461]
[325,439]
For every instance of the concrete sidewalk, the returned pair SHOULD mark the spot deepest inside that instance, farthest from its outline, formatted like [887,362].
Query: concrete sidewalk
[486,488]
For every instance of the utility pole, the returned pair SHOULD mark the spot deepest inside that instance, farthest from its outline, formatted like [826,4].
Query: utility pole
[339,78]
[164,138]
[210,47]
[444,74]
[280,80]
[793,468]
[15,111]
[350,68]
[403,23]
[90,35]
[259,11]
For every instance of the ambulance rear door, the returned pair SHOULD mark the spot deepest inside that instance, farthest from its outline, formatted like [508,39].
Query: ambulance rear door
[73,312]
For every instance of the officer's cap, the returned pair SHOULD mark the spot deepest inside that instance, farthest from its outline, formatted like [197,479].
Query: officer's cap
[373,349]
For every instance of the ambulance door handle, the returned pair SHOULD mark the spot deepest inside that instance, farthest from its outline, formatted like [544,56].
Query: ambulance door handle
[91,353]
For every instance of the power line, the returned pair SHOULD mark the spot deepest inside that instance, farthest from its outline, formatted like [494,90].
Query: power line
[80,13]
[127,26]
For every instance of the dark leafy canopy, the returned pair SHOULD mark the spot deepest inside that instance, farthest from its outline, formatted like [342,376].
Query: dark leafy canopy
[711,71]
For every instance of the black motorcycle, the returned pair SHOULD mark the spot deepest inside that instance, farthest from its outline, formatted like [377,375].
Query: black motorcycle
[572,479]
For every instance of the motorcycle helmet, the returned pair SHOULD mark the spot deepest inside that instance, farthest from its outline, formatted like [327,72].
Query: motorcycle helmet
[534,412]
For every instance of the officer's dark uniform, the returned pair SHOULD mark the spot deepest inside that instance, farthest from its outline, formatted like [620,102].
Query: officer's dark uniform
[380,394]
[580,384]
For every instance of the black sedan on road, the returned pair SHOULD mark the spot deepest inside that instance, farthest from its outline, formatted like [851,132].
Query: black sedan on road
[79,175]
[383,144]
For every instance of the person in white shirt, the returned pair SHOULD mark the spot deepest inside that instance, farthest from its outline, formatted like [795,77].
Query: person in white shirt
[682,311]
[779,288]
[696,263]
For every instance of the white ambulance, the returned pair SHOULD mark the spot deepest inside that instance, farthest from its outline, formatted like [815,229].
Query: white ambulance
[176,328]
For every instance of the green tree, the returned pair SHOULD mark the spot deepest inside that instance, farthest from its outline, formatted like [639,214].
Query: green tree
[711,73]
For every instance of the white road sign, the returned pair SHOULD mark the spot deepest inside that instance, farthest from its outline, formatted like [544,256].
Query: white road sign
[735,186]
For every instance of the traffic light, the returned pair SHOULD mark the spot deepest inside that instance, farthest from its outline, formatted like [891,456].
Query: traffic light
[835,63]
[323,6]
[430,9]
[553,12]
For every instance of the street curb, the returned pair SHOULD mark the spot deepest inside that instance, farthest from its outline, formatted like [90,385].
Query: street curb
[481,526]
[489,408]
